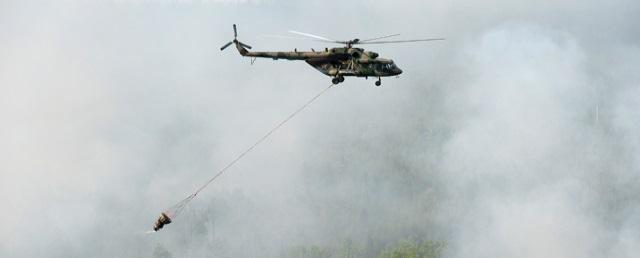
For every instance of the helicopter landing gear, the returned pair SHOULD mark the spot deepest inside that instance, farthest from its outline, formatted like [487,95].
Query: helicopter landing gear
[378,82]
[337,80]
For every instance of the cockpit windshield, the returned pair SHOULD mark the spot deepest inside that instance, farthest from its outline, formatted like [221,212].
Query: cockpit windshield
[386,67]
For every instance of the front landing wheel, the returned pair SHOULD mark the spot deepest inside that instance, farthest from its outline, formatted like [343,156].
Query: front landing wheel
[378,83]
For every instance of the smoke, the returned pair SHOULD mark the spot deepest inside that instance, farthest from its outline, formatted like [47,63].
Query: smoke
[518,136]
[527,148]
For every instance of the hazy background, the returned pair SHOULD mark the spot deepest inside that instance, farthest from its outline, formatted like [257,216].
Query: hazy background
[519,136]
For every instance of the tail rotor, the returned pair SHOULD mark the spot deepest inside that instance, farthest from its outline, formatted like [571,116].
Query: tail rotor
[235,40]
[226,45]
[235,32]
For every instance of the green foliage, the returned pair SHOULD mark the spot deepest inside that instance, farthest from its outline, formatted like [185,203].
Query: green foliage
[413,249]
[350,249]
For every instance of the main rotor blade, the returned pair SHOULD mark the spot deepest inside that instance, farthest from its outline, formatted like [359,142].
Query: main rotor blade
[383,37]
[399,41]
[226,45]
[314,36]
[282,37]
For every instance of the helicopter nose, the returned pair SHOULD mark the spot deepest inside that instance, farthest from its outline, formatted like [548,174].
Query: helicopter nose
[398,71]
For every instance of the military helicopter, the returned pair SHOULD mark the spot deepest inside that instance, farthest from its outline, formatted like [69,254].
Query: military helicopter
[336,62]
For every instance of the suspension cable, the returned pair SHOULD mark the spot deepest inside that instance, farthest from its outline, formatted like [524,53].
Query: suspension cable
[177,208]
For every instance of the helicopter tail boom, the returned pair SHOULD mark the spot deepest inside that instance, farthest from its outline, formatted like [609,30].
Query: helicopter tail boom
[243,49]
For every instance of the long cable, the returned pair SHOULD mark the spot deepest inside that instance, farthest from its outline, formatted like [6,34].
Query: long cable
[178,207]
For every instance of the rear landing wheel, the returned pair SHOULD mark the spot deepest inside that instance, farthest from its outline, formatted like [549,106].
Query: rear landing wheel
[341,78]
[335,80]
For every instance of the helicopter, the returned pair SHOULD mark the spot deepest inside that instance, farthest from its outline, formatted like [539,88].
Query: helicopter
[338,62]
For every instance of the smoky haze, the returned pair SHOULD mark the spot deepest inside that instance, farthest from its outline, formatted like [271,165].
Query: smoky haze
[518,136]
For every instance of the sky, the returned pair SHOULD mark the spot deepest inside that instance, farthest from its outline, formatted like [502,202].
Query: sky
[518,136]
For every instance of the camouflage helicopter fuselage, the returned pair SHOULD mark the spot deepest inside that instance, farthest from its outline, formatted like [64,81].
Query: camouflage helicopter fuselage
[335,62]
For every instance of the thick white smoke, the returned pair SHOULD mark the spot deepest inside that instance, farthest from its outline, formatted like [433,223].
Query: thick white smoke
[516,137]
[533,167]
